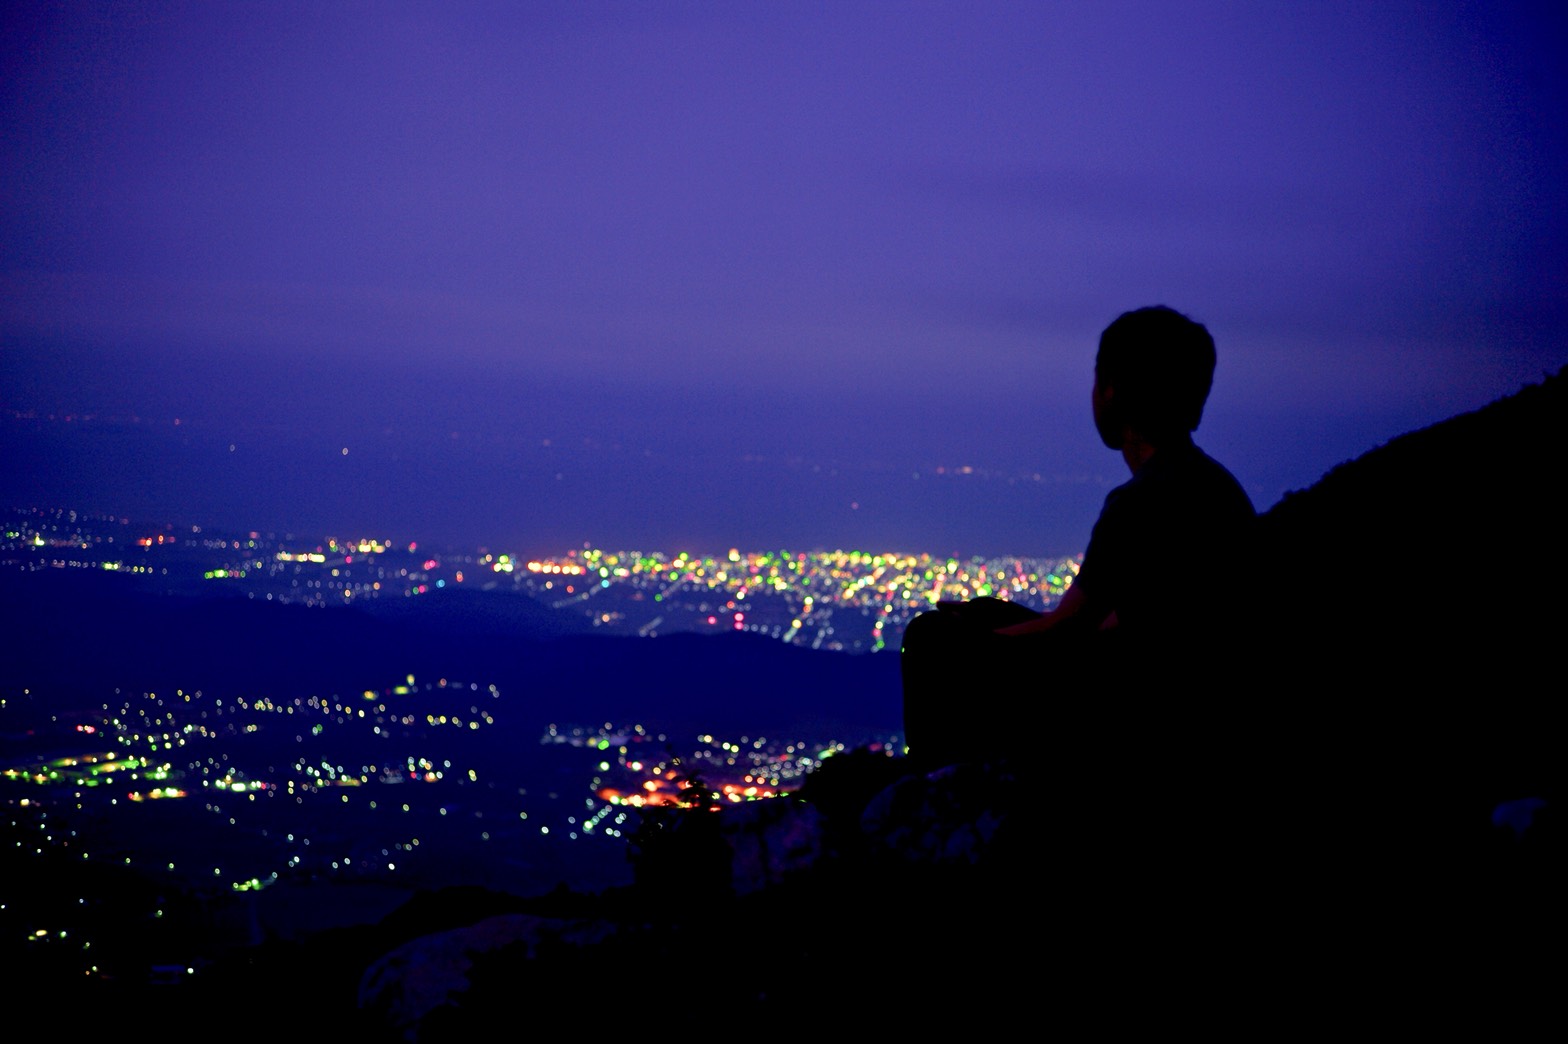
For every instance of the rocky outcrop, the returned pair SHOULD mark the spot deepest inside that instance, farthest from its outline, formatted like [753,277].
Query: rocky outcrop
[401,990]
[958,815]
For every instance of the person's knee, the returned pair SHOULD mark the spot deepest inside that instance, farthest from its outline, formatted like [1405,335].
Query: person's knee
[924,630]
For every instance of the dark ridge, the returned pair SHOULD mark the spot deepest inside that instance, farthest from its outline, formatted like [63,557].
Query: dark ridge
[476,615]
[1466,515]
[1410,604]
[79,635]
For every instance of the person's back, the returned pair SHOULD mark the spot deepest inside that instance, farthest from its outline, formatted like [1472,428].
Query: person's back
[1160,539]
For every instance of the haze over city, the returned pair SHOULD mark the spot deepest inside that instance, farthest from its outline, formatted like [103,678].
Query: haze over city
[700,276]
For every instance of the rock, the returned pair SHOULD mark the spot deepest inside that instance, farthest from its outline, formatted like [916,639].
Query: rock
[769,841]
[951,816]
[404,987]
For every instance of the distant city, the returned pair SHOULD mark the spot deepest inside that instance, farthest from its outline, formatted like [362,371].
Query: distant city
[851,601]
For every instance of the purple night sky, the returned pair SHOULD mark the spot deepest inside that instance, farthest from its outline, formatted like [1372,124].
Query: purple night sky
[686,276]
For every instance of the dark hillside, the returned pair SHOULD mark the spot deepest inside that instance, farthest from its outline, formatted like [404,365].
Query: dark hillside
[1457,527]
[1410,604]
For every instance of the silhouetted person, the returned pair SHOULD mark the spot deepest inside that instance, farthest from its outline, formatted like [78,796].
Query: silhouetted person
[978,675]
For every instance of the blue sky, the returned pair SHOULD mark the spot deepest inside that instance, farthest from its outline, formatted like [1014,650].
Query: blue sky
[768,273]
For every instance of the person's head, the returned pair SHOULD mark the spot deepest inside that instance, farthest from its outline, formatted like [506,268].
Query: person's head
[1152,376]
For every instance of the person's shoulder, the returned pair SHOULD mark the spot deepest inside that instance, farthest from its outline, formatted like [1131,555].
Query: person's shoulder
[1221,479]
[1180,478]
[1194,456]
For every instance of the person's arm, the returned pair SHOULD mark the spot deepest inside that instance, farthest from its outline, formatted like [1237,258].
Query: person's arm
[1072,606]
